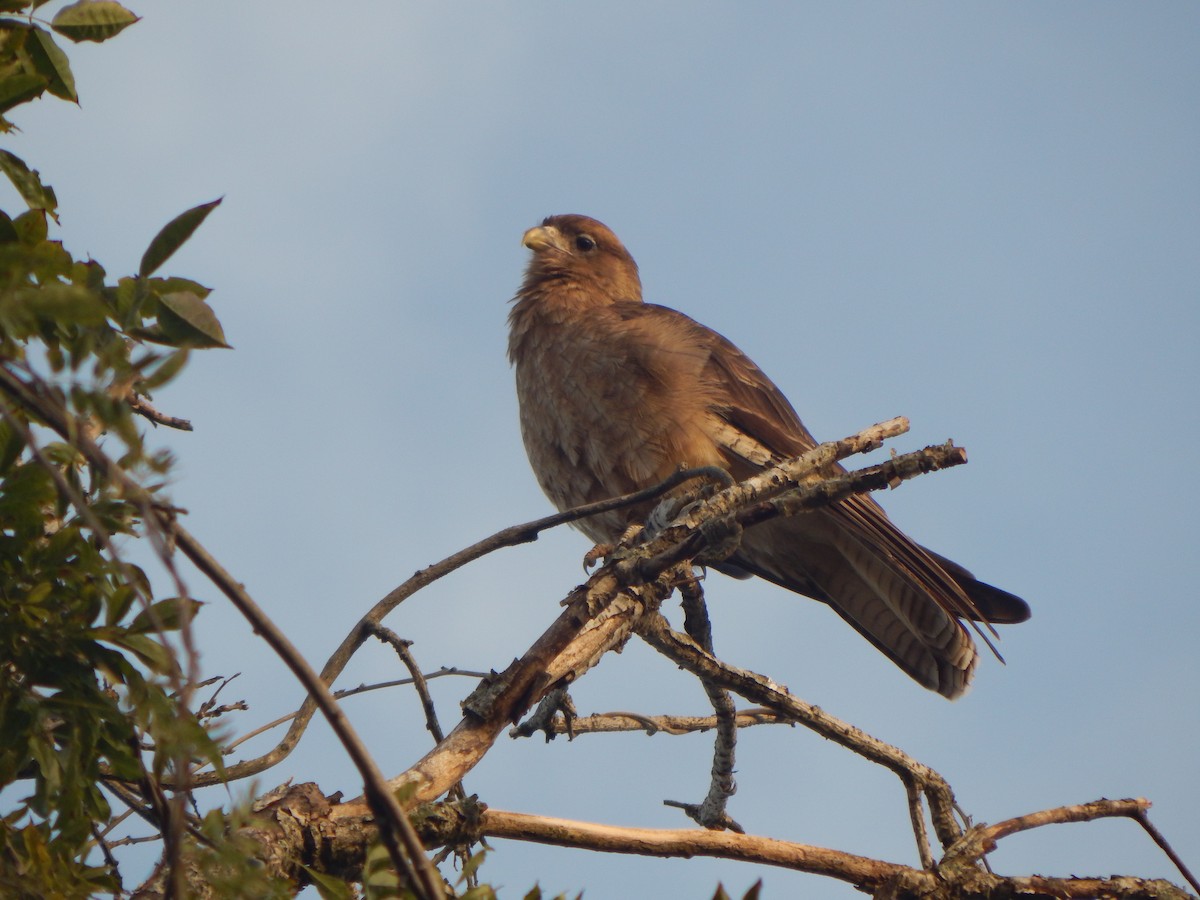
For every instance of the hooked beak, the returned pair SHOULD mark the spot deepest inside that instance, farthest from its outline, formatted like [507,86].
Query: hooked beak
[544,237]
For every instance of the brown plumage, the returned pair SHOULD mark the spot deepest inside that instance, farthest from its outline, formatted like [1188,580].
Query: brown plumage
[616,394]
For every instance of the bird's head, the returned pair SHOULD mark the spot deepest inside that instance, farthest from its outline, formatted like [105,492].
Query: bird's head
[581,250]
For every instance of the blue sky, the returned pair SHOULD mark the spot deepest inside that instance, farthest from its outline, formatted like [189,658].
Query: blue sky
[983,217]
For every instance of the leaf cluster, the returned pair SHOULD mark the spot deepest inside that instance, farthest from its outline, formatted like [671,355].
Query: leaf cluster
[31,63]
[92,693]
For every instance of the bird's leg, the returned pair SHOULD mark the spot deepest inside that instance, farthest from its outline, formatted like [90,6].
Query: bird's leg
[601,551]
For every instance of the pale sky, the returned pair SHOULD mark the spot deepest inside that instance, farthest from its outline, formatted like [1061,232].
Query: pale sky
[983,217]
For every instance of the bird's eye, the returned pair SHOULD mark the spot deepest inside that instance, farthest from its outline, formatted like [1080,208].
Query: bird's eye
[585,243]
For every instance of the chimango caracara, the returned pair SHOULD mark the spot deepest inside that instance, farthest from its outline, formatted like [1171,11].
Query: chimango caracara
[617,394]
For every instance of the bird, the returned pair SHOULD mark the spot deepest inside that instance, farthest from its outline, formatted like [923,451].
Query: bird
[616,394]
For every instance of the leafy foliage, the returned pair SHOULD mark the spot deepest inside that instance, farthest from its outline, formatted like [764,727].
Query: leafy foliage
[92,694]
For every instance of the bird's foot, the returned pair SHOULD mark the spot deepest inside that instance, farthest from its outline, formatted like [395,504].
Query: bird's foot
[603,551]
[597,553]
[722,537]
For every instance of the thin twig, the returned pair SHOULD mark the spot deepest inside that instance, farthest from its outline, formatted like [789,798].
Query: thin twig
[404,651]
[1081,812]
[140,405]
[711,813]
[354,691]
[126,841]
[1142,817]
[105,850]
[916,815]
[401,646]
[115,821]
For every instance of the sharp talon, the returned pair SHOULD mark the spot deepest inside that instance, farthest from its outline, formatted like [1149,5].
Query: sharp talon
[596,554]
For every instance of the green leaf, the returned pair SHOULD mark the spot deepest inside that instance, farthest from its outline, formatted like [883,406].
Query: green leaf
[20,78]
[154,334]
[328,887]
[471,866]
[31,226]
[20,87]
[189,321]
[28,183]
[62,303]
[166,370]
[173,236]
[118,603]
[169,285]
[123,298]
[11,445]
[405,792]
[167,615]
[8,234]
[52,64]
[92,20]
[89,274]
[153,655]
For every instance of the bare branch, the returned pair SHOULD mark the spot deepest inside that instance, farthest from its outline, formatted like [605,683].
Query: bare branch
[1143,819]
[712,813]
[140,405]
[608,722]
[599,616]
[1082,812]
[916,815]
[688,842]
[877,877]
[686,653]
[351,692]
[1136,808]
[401,646]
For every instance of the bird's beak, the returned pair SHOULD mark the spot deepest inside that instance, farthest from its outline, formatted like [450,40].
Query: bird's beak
[544,237]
